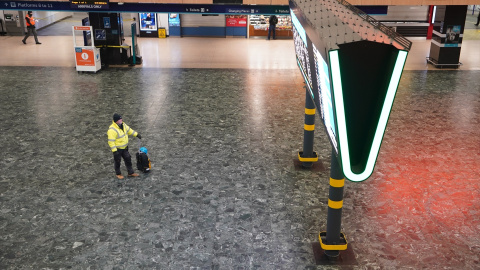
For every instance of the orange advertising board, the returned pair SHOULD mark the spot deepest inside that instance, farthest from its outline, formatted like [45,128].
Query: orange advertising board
[85,57]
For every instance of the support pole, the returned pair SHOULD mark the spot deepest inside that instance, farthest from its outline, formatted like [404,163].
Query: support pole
[308,156]
[335,204]
[134,51]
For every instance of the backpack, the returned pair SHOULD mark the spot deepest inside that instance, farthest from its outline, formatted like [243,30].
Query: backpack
[143,162]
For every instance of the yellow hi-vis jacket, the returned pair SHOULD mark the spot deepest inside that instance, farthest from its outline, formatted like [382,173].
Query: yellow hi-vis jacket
[117,138]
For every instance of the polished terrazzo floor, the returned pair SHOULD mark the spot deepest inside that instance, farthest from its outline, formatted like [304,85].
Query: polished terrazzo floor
[224,191]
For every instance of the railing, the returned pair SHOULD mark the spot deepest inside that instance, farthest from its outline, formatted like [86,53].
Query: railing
[385,29]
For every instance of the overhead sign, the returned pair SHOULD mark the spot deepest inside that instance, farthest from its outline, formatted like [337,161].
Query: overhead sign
[101,5]
[89,4]
[352,66]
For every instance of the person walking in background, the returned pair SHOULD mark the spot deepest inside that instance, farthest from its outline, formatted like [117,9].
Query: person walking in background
[118,141]
[273,22]
[30,28]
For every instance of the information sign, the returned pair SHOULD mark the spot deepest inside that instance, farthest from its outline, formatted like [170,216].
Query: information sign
[325,97]
[352,82]
[316,77]
[301,52]
[89,4]
[85,57]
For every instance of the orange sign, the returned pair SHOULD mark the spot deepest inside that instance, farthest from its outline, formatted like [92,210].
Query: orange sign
[81,28]
[85,57]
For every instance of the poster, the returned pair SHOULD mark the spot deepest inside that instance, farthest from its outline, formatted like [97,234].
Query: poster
[236,20]
[84,57]
[148,22]
[106,22]
[452,35]
[174,19]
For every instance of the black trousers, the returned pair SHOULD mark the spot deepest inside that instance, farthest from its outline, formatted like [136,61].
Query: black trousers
[126,158]
[33,31]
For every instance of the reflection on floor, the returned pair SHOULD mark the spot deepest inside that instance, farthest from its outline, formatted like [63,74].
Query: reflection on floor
[224,193]
[223,122]
[204,53]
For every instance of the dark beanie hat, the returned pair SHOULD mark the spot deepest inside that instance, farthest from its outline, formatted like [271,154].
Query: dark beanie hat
[116,117]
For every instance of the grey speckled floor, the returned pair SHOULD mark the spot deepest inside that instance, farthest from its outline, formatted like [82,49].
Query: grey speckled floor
[223,192]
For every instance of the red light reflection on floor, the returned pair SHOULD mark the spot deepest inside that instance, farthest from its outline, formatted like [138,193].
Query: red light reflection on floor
[425,191]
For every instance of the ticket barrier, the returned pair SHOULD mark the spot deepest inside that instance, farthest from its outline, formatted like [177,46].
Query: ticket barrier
[87,58]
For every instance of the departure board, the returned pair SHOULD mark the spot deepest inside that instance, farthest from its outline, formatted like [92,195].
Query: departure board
[89,4]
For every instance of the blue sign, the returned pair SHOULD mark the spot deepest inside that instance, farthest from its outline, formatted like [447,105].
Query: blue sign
[100,34]
[174,19]
[106,22]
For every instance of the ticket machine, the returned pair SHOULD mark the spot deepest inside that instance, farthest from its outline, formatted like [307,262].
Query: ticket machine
[14,22]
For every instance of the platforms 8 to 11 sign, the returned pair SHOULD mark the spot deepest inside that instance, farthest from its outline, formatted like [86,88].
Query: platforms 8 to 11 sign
[352,67]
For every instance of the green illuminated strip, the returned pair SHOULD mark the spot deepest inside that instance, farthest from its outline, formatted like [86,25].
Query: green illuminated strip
[382,123]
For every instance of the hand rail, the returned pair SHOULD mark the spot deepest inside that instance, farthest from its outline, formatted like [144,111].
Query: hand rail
[385,29]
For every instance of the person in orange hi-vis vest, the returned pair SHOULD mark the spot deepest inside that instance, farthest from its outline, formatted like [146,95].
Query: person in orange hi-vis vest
[30,28]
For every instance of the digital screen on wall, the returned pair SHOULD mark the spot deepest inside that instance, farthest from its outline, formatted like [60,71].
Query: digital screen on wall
[148,22]
[325,96]
[174,19]
[301,51]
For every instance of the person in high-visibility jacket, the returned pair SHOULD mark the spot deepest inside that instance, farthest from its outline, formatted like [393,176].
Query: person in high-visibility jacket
[30,28]
[118,141]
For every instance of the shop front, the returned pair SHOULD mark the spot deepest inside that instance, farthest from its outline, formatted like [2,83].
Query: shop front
[258,26]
